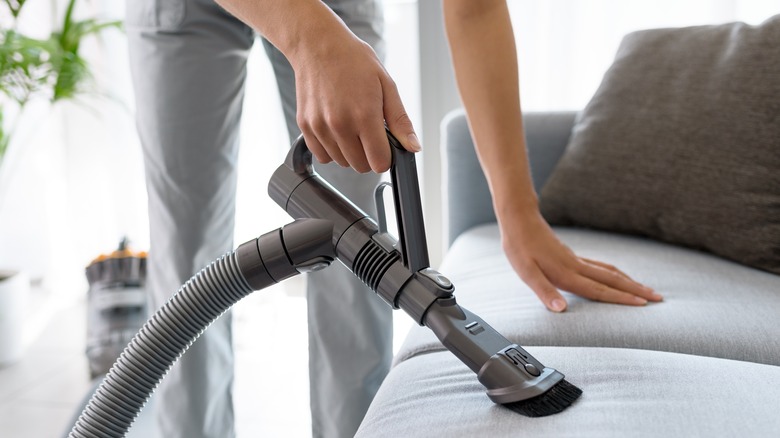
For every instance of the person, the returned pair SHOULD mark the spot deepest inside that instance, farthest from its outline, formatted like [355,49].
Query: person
[189,71]
[188,61]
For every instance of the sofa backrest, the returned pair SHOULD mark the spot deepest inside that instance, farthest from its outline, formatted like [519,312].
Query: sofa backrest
[468,200]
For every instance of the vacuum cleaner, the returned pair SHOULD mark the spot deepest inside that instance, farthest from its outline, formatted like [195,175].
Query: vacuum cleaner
[327,227]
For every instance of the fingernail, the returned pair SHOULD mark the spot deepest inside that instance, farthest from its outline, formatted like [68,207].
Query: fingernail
[414,142]
[640,301]
[558,305]
[655,296]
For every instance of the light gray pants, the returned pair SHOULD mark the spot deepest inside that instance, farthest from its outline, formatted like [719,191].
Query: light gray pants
[189,65]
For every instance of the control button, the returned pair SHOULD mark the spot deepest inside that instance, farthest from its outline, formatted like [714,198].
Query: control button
[532,370]
[515,356]
[437,278]
[474,328]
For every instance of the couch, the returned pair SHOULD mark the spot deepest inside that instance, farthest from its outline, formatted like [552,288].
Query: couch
[704,362]
[672,173]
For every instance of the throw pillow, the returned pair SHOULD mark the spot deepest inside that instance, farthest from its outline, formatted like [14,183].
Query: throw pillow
[681,142]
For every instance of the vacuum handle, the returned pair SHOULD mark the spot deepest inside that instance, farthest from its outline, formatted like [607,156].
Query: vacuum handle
[406,195]
[408,207]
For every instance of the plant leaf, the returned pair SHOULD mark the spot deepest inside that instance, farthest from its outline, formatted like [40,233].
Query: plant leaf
[25,65]
[15,6]
[50,68]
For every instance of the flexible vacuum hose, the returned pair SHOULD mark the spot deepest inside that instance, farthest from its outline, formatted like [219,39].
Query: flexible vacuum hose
[158,345]
[301,246]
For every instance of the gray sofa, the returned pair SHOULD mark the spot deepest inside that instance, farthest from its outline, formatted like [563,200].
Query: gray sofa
[705,362]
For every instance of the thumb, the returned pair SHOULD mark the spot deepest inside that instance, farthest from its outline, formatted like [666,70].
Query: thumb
[398,121]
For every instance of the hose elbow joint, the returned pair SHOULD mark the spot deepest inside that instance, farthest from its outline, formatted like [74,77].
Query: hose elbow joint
[305,245]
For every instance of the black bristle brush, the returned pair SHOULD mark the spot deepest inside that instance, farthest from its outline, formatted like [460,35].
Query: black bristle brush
[558,398]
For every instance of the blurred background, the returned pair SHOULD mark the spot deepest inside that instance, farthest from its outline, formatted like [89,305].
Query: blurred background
[72,185]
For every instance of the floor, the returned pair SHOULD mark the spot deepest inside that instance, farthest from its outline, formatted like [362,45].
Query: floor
[39,394]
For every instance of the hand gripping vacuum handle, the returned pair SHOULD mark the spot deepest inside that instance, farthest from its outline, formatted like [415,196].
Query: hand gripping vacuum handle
[358,242]
[297,168]
[403,278]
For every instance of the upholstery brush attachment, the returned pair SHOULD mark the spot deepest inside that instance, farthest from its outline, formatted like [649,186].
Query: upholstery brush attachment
[512,376]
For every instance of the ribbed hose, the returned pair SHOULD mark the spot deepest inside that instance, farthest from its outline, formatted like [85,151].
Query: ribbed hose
[158,345]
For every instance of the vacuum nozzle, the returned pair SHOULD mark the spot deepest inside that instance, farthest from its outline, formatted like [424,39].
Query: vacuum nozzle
[511,375]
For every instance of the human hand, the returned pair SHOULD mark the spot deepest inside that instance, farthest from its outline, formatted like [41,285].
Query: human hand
[546,265]
[345,96]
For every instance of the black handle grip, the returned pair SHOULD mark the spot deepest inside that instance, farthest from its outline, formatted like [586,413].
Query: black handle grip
[406,195]
[408,207]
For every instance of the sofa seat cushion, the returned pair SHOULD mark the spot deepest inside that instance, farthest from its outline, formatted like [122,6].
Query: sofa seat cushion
[625,393]
[712,306]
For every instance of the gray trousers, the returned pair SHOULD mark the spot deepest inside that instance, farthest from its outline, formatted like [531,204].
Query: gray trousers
[188,63]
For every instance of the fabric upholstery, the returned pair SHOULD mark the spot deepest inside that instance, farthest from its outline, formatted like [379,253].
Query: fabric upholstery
[626,393]
[681,142]
[712,307]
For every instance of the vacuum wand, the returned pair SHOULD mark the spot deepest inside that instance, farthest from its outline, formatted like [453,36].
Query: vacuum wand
[399,272]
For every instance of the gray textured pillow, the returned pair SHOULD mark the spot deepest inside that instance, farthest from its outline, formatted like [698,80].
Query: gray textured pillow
[681,142]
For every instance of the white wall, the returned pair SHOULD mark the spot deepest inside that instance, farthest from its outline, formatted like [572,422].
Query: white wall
[564,46]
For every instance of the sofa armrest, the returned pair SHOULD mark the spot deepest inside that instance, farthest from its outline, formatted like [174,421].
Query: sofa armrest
[469,201]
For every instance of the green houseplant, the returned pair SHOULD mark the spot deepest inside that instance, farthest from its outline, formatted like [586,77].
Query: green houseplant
[49,69]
